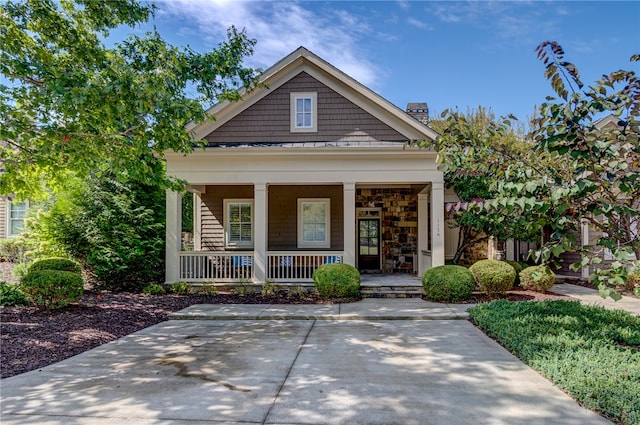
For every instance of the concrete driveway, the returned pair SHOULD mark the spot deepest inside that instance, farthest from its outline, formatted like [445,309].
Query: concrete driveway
[374,371]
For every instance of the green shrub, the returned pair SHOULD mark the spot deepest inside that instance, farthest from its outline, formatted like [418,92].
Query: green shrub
[588,351]
[11,295]
[208,288]
[537,278]
[154,289]
[633,281]
[336,280]
[182,288]
[448,283]
[12,250]
[113,225]
[63,264]
[518,267]
[52,288]
[493,277]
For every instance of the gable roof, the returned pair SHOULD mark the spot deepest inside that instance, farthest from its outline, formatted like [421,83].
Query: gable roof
[302,60]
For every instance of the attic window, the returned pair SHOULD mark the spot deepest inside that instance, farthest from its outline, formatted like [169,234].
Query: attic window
[304,115]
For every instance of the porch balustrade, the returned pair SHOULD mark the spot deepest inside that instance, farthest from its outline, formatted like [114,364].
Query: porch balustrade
[296,266]
[216,266]
[226,266]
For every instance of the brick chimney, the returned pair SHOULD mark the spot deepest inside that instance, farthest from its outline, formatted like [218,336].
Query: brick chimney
[419,111]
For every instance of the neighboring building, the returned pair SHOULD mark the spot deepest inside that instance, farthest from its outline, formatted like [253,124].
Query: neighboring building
[311,168]
[12,215]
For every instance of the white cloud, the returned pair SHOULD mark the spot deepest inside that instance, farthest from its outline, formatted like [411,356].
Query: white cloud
[418,24]
[281,27]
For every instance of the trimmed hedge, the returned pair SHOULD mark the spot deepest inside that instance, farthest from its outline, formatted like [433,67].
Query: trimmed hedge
[493,276]
[448,283]
[537,278]
[52,288]
[336,280]
[587,351]
[55,263]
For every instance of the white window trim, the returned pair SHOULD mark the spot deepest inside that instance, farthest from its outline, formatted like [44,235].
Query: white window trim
[7,225]
[320,244]
[314,112]
[227,223]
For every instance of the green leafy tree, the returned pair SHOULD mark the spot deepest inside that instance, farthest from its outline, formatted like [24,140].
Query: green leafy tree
[69,102]
[114,228]
[475,150]
[603,187]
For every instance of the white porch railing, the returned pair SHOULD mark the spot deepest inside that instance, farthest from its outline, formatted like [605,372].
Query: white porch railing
[282,266]
[296,266]
[216,266]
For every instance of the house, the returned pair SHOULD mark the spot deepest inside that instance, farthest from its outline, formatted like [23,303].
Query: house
[311,168]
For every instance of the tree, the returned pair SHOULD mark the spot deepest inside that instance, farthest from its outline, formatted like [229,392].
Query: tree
[475,149]
[114,228]
[569,170]
[69,103]
[603,188]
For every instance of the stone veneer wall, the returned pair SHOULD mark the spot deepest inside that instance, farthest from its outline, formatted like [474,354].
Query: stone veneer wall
[399,228]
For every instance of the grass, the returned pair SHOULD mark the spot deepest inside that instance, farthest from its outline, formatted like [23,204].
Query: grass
[590,352]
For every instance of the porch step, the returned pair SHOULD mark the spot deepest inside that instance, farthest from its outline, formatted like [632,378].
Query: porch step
[395,291]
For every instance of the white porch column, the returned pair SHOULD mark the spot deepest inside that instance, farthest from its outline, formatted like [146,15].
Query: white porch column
[349,214]
[423,232]
[260,232]
[437,224]
[173,236]
[197,221]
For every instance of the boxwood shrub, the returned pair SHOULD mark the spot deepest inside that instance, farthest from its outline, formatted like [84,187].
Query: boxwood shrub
[493,276]
[448,283]
[518,267]
[537,278]
[55,263]
[52,288]
[336,280]
[633,281]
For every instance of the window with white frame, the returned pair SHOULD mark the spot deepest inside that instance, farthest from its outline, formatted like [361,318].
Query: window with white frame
[314,229]
[304,112]
[238,227]
[15,219]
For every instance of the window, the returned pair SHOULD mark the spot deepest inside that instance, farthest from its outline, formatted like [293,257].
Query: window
[238,223]
[17,213]
[304,112]
[314,223]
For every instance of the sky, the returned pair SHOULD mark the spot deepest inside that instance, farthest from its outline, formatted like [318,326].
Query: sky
[449,54]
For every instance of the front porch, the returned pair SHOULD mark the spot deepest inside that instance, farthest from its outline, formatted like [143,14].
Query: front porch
[381,229]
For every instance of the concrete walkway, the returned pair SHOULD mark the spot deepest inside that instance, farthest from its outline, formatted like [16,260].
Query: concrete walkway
[325,364]
[590,296]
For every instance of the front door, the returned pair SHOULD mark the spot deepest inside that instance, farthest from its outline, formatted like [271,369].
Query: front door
[369,244]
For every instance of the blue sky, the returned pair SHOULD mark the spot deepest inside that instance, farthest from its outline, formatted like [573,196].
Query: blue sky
[449,54]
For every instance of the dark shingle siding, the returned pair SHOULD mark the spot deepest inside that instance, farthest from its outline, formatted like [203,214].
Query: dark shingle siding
[268,120]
